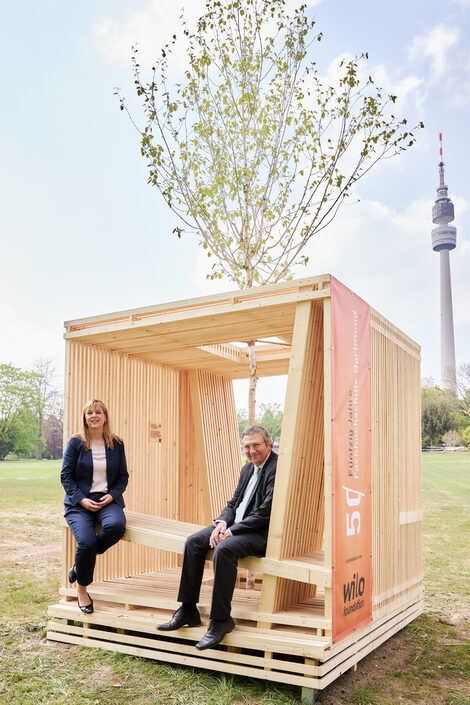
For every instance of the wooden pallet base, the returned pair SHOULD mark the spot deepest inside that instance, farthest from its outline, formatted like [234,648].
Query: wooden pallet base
[283,654]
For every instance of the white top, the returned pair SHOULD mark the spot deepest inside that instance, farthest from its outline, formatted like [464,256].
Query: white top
[100,481]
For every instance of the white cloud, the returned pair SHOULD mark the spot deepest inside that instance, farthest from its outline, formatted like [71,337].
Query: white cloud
[151,28]
[459,86]
[434,44]
[405,89]
[23,343]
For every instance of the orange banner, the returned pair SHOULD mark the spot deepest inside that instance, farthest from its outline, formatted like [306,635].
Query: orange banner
[351,462]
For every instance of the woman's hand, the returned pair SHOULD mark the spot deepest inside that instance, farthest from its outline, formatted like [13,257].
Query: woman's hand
[90,504]
[105,499]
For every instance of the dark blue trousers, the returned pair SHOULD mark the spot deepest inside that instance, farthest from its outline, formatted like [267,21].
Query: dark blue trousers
[83,526]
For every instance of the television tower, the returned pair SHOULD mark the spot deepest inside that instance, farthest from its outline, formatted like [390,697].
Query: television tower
[444,237]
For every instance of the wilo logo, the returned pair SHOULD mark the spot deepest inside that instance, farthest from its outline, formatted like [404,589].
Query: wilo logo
[352,591]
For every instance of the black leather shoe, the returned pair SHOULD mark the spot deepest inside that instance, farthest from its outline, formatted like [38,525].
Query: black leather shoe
[215,633]
[88,609]
[183,617]
[72,575]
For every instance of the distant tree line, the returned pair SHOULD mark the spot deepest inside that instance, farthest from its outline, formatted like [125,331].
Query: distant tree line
[445,413]
[31,412]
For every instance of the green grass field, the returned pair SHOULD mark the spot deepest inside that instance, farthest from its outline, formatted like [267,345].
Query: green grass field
[428,662]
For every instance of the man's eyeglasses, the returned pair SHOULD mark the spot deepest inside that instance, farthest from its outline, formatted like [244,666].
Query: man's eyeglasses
[253,446]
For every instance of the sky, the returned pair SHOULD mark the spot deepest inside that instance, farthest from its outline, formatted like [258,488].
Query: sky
[82,233]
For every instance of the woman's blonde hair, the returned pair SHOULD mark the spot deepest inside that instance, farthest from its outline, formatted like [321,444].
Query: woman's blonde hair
[108,435]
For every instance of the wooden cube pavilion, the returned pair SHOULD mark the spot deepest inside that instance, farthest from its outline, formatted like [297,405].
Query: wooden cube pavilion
[343,566]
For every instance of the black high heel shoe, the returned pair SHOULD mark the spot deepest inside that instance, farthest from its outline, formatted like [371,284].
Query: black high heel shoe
[72,575]
[88,609]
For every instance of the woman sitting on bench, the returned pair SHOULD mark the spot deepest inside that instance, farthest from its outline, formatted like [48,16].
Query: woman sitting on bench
[94,476]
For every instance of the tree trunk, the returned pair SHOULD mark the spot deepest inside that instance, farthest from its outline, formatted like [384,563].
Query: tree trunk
[39,439]
[253,383]
[250,574]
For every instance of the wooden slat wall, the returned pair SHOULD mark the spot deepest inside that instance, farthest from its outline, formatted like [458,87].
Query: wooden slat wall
[216,431]
[396,467]
[164,477]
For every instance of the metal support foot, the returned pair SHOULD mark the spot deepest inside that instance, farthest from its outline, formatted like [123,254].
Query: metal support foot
[309,696]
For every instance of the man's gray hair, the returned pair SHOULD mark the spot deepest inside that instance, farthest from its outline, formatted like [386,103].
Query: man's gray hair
[258,429]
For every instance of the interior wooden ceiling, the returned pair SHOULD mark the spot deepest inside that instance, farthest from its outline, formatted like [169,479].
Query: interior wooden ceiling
[200,333]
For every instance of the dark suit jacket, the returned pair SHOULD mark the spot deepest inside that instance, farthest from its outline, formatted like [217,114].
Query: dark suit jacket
[77,472]
[258,511]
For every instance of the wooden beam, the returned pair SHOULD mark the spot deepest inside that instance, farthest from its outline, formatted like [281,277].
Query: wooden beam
[191,316]
[287,442]
[327,362]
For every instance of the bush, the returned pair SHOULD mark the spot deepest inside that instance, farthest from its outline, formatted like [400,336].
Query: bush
[452,438]
[466,437]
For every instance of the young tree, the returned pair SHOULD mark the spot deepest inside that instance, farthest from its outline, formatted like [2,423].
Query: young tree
[46,397]
[253,150]
[242,421]
[25,433]
[437,413]
[53,435]
[463,388]
[271,416]
[18,403]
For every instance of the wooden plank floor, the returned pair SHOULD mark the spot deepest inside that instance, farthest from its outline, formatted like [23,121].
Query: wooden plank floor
[158,590]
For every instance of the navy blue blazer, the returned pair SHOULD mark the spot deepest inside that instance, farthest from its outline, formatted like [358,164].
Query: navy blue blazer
[258,511]
[77,472]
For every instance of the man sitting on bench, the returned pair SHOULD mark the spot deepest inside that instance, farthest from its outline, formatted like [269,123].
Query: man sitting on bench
[240,530]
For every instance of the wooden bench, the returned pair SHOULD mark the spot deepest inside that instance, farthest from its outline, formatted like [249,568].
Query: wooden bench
[170,535]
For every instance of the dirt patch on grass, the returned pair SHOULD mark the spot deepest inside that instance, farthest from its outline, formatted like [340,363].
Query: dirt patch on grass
[33,555]
[424,663]
[31,537]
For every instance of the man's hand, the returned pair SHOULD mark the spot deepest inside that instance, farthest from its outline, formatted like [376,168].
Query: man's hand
[105,499]
[219,534]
